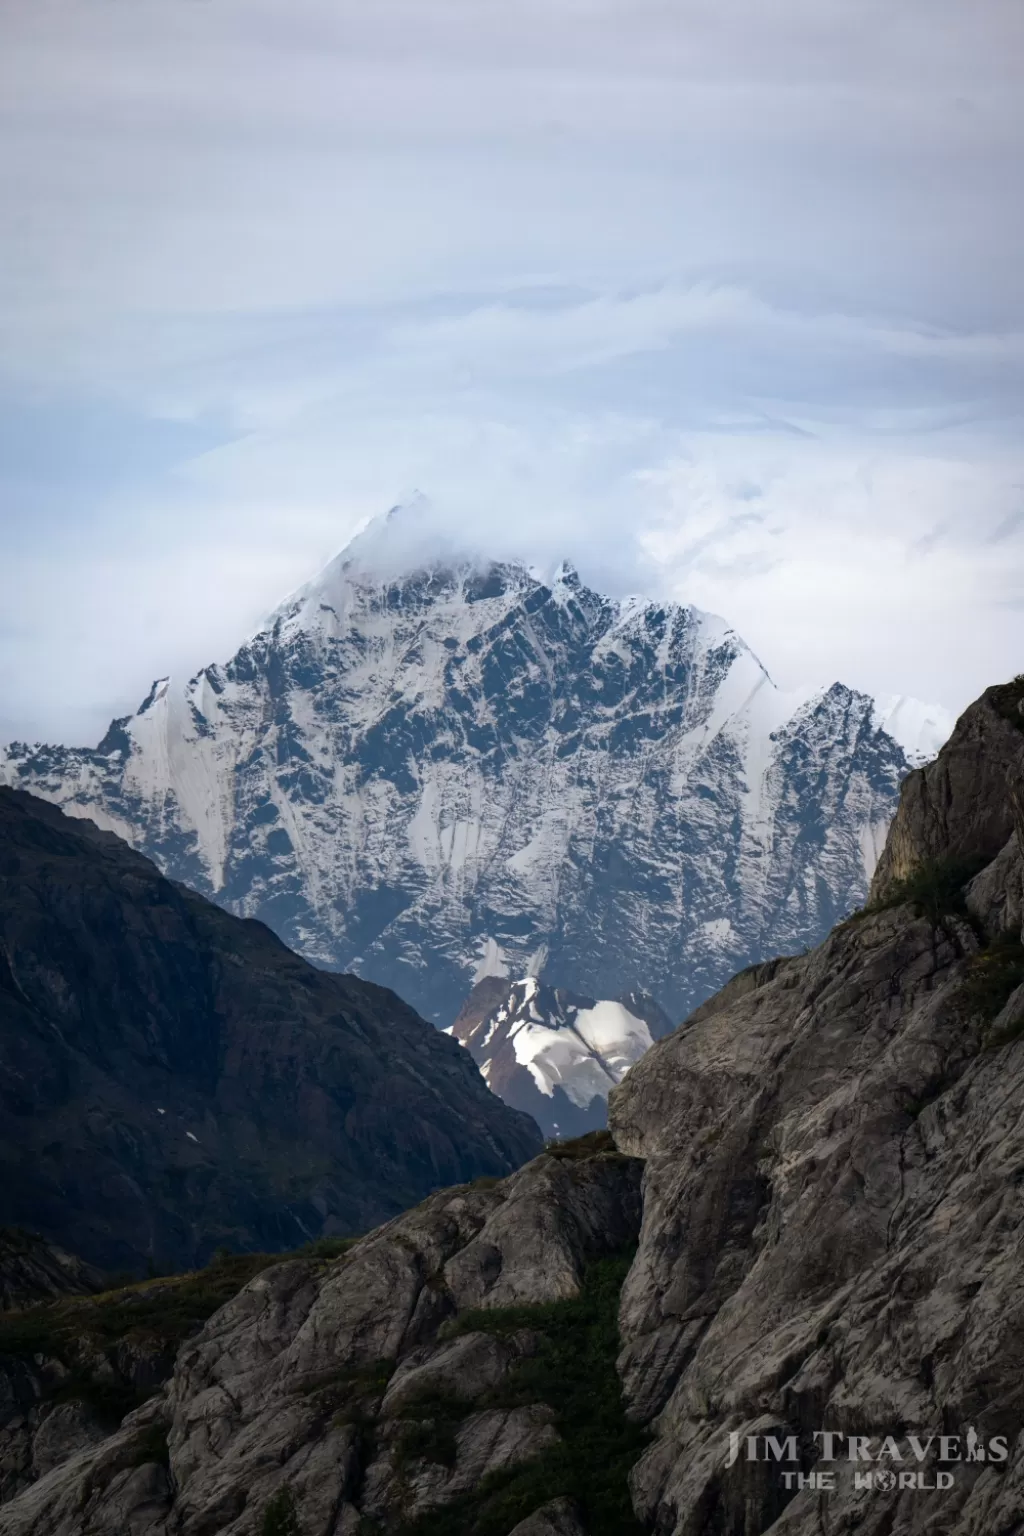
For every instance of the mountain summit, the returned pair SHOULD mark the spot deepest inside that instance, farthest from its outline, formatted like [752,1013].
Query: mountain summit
[430,771]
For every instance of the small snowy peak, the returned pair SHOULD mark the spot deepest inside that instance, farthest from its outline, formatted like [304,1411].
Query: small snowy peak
[554,1053]
[157,692]
[411,538]
[921,729]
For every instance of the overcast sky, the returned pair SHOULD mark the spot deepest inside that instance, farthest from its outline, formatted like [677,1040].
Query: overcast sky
[720,299]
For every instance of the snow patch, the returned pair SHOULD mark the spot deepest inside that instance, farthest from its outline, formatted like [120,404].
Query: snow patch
[921,729]
[492,962]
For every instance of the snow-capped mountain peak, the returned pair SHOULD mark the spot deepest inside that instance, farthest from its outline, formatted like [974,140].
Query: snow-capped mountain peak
[555,1053]
[465,769]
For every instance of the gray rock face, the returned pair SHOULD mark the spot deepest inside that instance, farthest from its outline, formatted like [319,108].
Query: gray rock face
[558,1518]
[832,1209]
[964,804]
[995,897]
[466,771]
[68,1383]
[36,1435]
[283,1385]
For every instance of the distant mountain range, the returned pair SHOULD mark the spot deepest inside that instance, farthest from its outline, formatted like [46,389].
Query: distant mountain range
[429,776]
[552,1053]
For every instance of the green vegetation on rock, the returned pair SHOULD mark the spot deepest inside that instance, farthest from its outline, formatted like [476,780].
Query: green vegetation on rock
[992,976]
[573,1372]
[279,1517]
[151,1446]
[83,1342]
[580,1147]
[936,890]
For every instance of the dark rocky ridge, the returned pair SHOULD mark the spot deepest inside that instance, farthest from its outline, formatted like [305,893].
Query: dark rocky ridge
[173,1079]
[832,1221]
[32,1270]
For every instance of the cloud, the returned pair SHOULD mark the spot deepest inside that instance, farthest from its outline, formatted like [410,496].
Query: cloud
[718,298]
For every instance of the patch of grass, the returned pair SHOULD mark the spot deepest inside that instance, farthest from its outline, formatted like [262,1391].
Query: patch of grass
[992,976]
[168,1309]
[352,1381]
[429,1432]
[151,1446]
[323,1248]
[109,1400]
[574,1373]
[83,1332]
[581,1147]
[935,889]
[279,1517]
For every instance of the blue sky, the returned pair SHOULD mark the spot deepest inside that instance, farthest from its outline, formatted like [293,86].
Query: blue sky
[721,300]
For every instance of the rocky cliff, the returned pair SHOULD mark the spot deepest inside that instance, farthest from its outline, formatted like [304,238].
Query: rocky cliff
[832,1196]
[467,770]
[962,807]
[457,1364]
[73,1364]
[174,1080]
[827,1274]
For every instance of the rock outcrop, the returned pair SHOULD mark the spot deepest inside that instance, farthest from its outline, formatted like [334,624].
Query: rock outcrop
[72,1366]
[174,1080]
[964,805]
[832,1201]
[368,1392]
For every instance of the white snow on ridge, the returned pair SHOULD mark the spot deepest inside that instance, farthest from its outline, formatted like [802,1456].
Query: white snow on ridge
[921,729]
[563,1041]
[426,776]
[584,1058]
[615,1034]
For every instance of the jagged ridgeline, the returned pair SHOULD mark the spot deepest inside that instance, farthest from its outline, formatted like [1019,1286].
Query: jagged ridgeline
[806,1216]
[472,770]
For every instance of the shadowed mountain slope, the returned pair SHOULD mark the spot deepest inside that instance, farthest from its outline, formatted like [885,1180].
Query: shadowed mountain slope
[173,1079]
